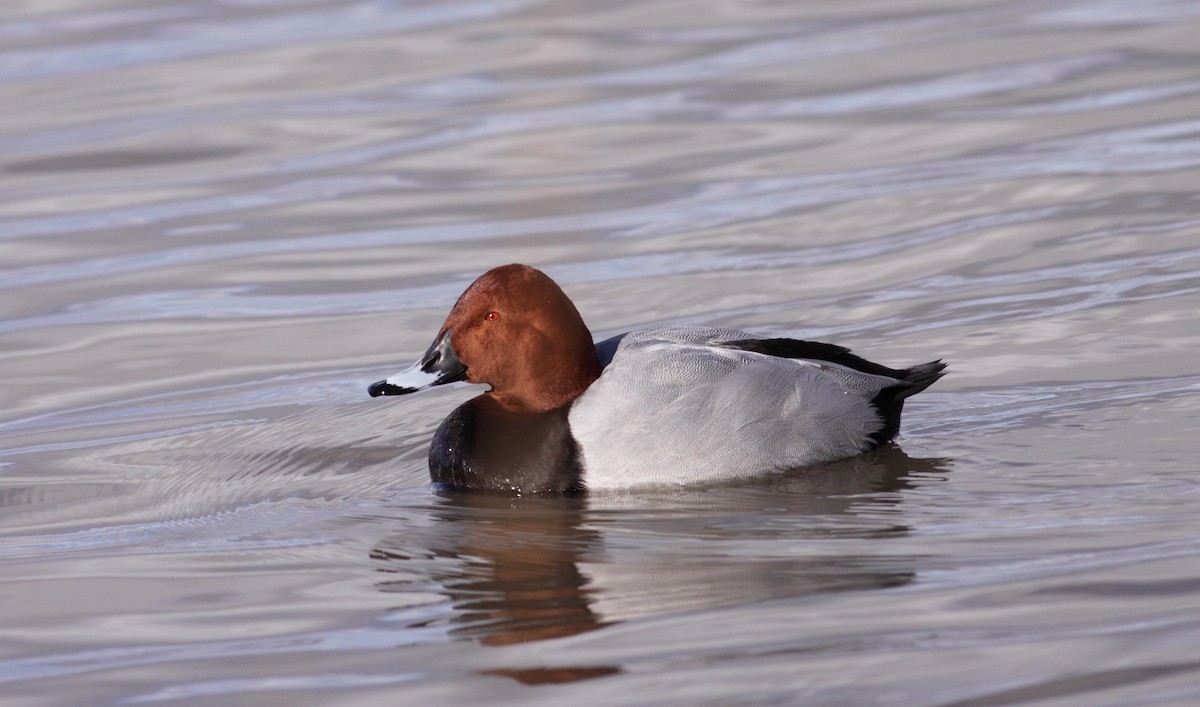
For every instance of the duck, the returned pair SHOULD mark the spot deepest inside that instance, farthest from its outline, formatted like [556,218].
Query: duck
[660,406]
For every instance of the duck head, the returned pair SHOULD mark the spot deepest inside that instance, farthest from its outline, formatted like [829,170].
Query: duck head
[515,330]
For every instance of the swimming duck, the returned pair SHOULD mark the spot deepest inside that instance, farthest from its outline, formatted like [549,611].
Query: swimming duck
[659,406]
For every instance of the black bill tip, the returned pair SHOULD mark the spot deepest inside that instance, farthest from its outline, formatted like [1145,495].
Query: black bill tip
[385,388]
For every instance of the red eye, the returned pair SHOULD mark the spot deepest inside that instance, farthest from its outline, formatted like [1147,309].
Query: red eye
[492,316]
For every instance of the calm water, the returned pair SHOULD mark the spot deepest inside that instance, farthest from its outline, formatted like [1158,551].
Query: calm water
[221,219]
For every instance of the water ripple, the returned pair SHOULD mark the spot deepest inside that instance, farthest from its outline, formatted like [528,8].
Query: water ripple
[192,37]
[220,220]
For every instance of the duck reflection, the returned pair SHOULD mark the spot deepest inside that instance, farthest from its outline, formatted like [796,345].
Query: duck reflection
[528,569]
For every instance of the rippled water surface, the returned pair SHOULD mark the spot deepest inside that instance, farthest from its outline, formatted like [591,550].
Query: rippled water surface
[221,219]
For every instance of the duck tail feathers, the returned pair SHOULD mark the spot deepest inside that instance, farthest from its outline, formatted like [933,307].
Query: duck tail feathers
[890,401]
[918,378]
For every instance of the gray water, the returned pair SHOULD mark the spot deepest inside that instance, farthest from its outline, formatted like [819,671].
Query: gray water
[221,219]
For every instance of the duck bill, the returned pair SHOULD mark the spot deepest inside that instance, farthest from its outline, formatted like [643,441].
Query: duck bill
[438,366]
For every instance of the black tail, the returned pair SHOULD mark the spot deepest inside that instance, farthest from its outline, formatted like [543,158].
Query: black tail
[890,400]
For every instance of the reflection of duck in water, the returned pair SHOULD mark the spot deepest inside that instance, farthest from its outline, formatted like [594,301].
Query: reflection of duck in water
[528,569]
[662,406]
[514,576]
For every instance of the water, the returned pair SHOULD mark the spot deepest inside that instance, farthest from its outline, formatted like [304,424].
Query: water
[220,220]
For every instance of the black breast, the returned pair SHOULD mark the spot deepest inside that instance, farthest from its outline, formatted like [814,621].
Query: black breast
[484,447]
